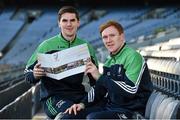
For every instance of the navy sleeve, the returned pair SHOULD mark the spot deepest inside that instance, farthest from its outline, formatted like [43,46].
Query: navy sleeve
[29,77]
[96,94]
[114,79]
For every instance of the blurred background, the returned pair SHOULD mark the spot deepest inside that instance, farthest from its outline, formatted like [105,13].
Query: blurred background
[152,27]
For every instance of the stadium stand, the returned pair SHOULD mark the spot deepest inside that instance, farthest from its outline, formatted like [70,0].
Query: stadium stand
[164,66]
[8,32]
[22,29]
[7,13]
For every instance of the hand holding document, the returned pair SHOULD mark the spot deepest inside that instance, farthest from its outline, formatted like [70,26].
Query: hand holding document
[65,63]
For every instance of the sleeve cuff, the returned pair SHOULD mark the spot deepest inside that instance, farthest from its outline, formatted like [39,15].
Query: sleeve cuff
[82,105]
[30,78]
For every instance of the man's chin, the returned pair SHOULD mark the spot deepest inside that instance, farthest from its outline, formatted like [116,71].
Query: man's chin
[110,50]
[70,35]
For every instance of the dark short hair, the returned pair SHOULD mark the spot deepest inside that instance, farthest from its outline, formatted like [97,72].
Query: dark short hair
[117,25]
[68,9]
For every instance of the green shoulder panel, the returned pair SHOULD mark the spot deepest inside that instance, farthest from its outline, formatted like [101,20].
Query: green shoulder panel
[131,60]
[40,49]
[134,68]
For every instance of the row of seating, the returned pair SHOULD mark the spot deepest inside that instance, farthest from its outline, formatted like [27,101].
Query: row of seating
[173,43]
[164,65]
[162,106]
[8,75]
[8,31]
[20,108]
[20,101]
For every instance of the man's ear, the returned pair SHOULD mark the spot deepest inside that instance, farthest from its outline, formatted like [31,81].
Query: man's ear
[78,23]
[122,36]
[58,23]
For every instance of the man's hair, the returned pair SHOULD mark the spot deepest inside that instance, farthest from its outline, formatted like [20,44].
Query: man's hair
[117,25]
[68,9]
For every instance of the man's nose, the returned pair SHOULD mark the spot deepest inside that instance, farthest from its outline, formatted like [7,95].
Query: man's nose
[108,39]
[69,23]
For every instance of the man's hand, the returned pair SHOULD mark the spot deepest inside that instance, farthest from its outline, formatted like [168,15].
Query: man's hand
[38,72]
[75,108]
[92,69]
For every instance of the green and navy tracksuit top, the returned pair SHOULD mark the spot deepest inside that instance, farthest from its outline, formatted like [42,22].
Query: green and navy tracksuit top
[70,87]
[125,82]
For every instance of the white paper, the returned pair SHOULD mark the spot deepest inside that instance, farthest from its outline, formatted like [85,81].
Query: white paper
[65,63]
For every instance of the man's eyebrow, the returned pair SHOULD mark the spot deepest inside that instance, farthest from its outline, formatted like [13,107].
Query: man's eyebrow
[72,19]
[64,19]
[67,19]
[104,36]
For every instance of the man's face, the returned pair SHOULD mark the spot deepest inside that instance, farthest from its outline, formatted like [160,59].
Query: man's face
[112,39]
[68,24]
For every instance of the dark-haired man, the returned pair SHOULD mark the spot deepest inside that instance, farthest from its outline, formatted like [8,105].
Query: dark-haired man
[58,95]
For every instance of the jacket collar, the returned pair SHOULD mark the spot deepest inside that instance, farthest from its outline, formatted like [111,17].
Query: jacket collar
[65,40]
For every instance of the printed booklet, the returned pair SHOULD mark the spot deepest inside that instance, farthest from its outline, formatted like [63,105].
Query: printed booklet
[65,63]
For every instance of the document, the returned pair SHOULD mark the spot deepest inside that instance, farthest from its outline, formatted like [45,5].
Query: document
[65,63]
